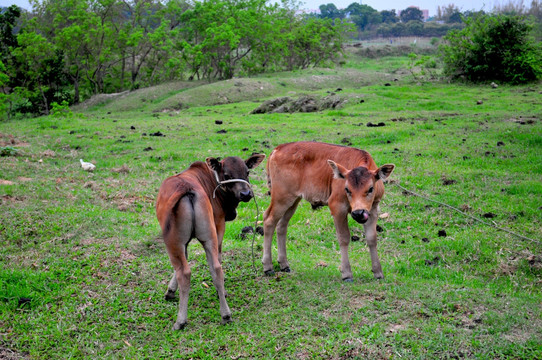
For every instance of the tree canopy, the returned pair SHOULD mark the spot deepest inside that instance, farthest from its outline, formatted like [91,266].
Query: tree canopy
[68,50]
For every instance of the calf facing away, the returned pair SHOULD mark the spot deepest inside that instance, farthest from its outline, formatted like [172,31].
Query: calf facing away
[344,178]
[193,204]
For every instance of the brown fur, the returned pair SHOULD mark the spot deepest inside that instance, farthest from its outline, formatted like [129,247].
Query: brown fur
[344,178]
[186,209]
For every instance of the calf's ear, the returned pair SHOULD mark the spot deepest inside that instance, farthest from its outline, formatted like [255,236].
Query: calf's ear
[384,171]
[214,164]
[339,171]
[254,160]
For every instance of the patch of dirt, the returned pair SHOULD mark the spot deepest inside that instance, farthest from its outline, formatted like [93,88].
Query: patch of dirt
[7,354]
[102,98]
[4,199]
[10,140]
[6,182]
[48,153]
[126,202]
[124,169]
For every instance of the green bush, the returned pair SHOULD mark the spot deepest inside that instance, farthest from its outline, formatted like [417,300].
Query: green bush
[8,151]
[493,48]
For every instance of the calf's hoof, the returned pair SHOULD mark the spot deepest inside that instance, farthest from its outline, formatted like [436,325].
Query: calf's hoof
[226,319]
[286,269]
[269,272]
[379,276]
[348,280]
[179,326]
[170,295]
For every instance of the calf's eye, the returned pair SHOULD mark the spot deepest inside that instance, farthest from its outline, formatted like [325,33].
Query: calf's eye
[348,191]
[370,190]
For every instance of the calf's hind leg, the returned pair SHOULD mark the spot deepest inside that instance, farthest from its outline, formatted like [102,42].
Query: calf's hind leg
[182,279]
[173,285]
[207,235]
[176,240]
[282,229]
[274,213]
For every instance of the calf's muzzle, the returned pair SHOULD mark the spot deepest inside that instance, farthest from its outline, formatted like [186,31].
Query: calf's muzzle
[245,195]
[361,216]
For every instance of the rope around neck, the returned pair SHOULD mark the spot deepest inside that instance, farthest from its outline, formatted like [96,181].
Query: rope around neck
[220,183]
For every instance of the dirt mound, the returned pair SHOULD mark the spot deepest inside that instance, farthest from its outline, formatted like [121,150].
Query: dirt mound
[303,104]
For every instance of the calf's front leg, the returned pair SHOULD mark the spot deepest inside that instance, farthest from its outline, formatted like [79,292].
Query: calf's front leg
[370,237]
[343,236]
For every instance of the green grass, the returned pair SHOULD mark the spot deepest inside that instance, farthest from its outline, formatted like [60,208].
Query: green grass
[83,269]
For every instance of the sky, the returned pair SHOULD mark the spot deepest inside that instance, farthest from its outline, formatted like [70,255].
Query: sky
[379,5]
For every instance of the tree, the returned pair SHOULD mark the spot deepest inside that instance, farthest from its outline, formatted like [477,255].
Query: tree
[411,14]
[449,14]
[493,47]
[330,11]
[363,15]
[44,81]
[389,16]
[4,79]
[8,20]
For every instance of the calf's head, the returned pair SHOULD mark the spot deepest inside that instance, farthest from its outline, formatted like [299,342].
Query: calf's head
[234,167]
[359,186]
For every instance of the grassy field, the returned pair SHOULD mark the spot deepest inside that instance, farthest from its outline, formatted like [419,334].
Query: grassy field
[83,269]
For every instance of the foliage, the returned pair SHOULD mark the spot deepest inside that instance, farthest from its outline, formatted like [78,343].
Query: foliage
[493,47]
[422,68]
[416,28]
[411,14]
[3,96]
[70,50]
[8,151]
[389,16]
[61,110]
[8,21]
[449,14]
[363,16]
[330,11]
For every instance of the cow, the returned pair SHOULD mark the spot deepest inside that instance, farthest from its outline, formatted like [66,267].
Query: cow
[344,178]
[196,204]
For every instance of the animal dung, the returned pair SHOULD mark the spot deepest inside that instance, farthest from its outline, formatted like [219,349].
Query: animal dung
[442,233]
[247,230]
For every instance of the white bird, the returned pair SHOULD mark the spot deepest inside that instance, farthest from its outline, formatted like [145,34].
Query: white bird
[87,166]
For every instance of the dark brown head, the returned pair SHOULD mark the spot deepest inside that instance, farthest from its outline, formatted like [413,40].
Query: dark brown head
[234,167]
[359,186]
